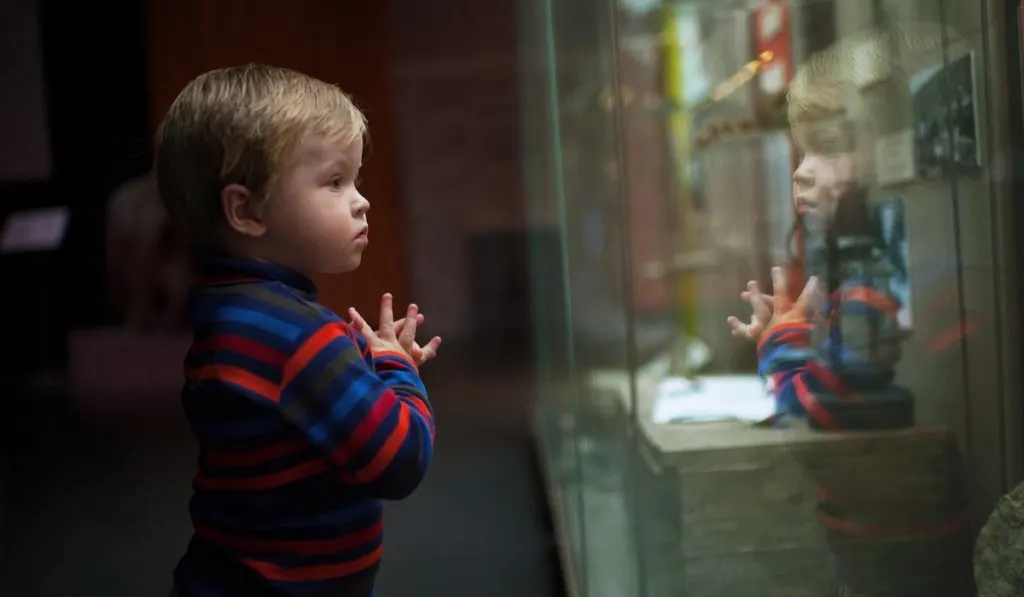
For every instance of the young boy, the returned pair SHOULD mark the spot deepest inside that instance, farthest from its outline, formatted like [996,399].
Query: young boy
[305,422]
[829,357]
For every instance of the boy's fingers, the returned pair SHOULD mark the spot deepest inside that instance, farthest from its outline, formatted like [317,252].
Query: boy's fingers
[779,288]
[739,329]
[810,298]
[736,326]
[400,324]
[767,298]
[387,316]
[408,333]
[756,327]
[758,301]
[745,330]
[430,350]
[360,323]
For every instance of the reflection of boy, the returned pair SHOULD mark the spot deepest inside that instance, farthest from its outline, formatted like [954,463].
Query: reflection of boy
[305,422]
[829,357]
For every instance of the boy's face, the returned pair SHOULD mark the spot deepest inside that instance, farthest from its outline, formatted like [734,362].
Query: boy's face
[316,220]
[827,172]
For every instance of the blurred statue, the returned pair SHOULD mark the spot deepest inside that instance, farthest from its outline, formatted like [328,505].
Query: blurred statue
[148,266]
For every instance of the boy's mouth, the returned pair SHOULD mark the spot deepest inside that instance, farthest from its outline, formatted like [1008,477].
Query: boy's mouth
[804,205]
[364,234]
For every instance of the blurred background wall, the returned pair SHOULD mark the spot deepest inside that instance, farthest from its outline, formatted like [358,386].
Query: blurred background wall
[443,169]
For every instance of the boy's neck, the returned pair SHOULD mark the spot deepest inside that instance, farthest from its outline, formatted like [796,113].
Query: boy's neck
[219,268]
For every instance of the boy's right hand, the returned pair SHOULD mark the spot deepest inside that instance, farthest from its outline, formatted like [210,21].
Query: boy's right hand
[396,337]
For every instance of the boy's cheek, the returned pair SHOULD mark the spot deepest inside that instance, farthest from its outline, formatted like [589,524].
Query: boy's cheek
[846,170]
[848,173]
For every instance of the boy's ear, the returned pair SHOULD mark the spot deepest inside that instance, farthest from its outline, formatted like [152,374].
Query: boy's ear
[241,211]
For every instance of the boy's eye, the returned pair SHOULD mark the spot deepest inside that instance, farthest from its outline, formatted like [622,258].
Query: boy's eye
[336,182]
[833,145]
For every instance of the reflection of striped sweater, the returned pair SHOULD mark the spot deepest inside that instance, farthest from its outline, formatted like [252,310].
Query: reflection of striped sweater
[853,362]
[902,528]
[853,365]
[302,431]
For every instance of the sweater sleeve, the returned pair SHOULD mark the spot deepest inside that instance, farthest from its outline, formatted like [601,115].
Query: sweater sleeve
[375,423]
[794,373]
[862,345]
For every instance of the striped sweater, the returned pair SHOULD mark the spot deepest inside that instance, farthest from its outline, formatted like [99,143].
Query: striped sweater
[302,432]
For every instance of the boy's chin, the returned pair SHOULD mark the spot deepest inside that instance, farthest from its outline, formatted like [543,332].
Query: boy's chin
[340,262]
[815,221]
[343,268]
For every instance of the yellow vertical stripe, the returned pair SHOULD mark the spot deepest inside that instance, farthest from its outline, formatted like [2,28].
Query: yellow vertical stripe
[679,126]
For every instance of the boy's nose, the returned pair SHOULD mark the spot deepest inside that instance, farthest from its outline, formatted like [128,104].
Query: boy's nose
[803,177]
[362,206]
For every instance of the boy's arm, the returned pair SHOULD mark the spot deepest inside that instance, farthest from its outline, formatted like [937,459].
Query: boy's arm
[804,381]
[378,426]
[794,373]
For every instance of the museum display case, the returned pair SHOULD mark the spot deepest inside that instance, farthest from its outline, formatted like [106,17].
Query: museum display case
[674,152]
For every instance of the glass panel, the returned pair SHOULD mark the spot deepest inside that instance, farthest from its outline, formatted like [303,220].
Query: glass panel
[555,421]
[588,401]
[877,439]
[595,237]
[849,442]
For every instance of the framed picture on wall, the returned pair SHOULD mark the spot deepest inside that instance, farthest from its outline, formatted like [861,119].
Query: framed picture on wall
[946,119]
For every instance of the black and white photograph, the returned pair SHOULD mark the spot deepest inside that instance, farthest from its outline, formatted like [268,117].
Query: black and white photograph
[945,119]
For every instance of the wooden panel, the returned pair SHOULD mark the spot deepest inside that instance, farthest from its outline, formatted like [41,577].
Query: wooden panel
[345,42]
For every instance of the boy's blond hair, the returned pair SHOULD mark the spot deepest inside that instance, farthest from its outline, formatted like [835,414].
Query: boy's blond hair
[241,125]
[862,79]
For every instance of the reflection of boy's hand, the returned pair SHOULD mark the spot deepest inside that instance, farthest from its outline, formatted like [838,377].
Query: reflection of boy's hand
[805,308]
[773,310]
[398,336]
[761,305]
